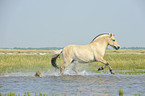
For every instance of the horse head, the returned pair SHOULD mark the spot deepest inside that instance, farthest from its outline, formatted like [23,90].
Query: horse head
[113,42]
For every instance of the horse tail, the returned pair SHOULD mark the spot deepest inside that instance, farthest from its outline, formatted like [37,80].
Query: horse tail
[53,60]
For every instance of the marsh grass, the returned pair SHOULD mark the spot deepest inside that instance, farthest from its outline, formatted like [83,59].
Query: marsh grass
[24,63]
[122,61]
[126,61]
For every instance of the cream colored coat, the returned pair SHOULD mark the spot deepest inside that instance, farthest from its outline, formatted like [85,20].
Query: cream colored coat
[94,51]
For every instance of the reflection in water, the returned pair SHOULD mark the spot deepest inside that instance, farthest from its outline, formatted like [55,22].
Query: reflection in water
[93,84]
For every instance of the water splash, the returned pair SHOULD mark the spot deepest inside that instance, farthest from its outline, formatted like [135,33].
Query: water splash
[67,71]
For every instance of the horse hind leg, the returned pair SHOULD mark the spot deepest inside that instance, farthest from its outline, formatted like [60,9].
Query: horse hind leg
[64,66]
[74,66]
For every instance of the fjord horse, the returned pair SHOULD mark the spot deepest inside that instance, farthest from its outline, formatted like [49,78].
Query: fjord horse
[92,52]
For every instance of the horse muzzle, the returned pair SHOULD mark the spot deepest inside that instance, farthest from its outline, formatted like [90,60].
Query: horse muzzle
[117,47]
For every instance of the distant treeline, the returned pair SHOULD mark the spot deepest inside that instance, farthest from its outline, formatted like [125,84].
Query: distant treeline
[134,48]
[58,48]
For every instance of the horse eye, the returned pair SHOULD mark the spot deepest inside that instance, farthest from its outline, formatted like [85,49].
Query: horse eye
[113,40]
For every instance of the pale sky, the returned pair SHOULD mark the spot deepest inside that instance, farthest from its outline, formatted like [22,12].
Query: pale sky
[58,23]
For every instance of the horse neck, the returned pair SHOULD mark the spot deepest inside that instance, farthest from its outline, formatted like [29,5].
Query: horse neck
[100,45]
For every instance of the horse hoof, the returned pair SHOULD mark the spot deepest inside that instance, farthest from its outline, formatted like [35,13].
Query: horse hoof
[100,68]
[112,73]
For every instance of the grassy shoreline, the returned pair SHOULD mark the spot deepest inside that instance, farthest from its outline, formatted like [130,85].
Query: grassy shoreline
[33,60]
[120,93]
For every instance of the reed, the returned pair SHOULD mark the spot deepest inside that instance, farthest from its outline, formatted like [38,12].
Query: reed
[120,92]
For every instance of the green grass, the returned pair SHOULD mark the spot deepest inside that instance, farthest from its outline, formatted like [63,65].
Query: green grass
[122,61]
[24,63]
[126,61]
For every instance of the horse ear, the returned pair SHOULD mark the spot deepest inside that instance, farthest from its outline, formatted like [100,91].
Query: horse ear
[110,34]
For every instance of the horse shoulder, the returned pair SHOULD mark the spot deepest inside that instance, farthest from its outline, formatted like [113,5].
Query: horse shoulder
[98,53]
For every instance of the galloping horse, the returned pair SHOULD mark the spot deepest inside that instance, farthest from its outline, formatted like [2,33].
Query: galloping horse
[94,51]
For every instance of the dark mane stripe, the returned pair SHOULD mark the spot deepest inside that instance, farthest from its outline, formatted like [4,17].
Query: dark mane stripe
[99,35]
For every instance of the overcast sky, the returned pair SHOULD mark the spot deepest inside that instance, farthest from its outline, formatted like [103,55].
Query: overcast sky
[58,23]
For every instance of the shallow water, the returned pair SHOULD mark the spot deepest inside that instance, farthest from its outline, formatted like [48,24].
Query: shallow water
[93,84]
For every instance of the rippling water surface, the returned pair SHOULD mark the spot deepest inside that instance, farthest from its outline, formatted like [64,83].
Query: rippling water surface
[93,84]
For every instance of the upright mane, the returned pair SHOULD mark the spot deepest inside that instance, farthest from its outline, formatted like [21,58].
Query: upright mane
[99,36]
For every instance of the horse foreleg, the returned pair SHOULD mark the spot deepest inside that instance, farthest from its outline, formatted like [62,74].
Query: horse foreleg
[102,61]
[110,69]
[101,68]
[106,64]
